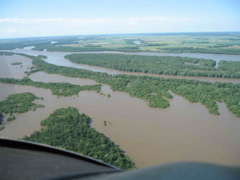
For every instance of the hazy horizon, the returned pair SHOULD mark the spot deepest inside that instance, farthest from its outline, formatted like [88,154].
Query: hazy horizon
[66,35]
[22,19]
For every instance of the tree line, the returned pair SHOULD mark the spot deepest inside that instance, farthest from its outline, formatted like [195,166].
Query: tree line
[21,43]
[67,128]
[60,89]
[51,47]
[211,50]
[167,65]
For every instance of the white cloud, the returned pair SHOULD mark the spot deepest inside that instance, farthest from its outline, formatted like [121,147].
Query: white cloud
[89,21]
[11,30]
[68,21]
[157,19]
[111,25]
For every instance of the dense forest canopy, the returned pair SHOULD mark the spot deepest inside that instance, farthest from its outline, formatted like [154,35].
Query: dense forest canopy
[67,128]
[168,65]
[17,103]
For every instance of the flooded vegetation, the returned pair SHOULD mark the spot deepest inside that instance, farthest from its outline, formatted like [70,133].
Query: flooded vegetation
[167,65]
[151,87]
[68,129]
[57,58]
[183,132]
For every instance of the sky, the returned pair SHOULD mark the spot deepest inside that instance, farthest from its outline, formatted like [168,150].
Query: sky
[36,18]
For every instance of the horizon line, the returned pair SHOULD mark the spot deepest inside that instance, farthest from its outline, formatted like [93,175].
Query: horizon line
[122,34]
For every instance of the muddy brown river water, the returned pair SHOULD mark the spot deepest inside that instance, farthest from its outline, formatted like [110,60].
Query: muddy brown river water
[183,132]
[57,58]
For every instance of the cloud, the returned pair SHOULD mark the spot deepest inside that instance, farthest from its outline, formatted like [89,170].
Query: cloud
[91,21]
[157,19]
[27,27]
[72,26]
[11,30]
[66,21]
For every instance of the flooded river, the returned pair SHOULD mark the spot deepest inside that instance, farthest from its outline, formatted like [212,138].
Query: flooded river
[57,58]
[183,132]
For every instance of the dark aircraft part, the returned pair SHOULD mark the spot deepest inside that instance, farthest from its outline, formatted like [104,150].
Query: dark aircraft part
[27,160]
[177,171]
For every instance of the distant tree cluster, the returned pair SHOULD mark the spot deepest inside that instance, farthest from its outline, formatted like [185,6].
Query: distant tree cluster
[6,53]
[157,44]
[21,43]
[60,89]
[90,45]
[16,63]
[213,50]
[67,128]
[42,56]
[50,47]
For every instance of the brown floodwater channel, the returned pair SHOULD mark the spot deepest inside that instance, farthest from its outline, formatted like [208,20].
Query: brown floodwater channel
[183,132]
[57,58]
